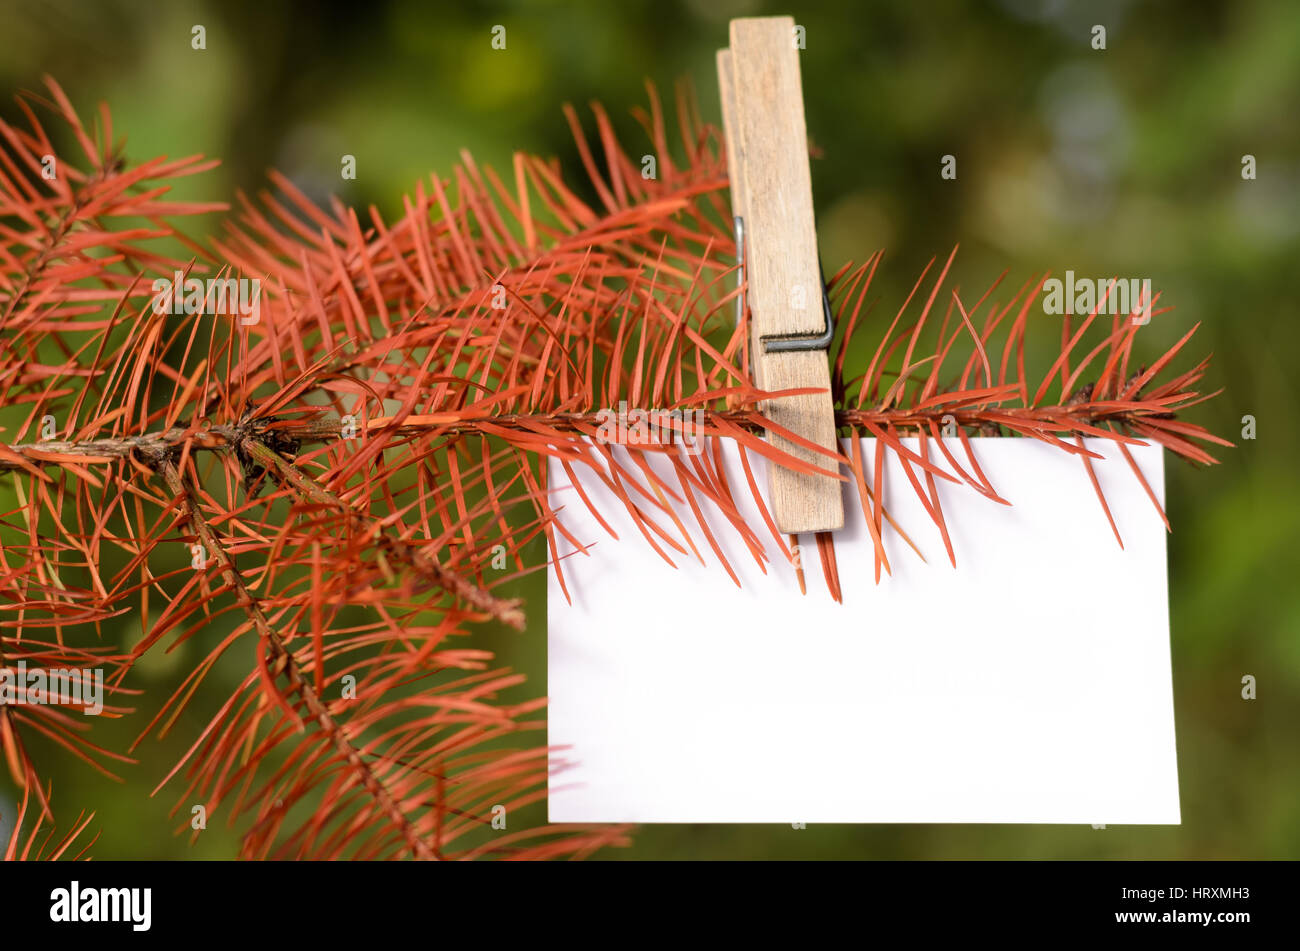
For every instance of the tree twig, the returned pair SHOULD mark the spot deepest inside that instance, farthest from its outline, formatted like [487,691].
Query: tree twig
[226,437]
[508,611]
[283,662]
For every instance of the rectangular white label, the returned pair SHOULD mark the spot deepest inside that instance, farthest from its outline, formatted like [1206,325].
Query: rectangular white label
[1031,683]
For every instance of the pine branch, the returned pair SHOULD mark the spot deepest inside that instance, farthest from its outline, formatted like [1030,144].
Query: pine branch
[424,565]
[399,398]
[1075,417]
[281,664]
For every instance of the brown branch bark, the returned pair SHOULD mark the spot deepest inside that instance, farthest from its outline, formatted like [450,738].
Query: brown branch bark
[222,438]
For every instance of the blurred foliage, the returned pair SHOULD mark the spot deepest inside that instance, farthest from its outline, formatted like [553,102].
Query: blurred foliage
[1125,161]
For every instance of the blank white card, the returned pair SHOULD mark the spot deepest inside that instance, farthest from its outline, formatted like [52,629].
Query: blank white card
[1031,683]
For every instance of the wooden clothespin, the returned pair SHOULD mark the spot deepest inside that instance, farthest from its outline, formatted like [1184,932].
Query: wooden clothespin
[776,240]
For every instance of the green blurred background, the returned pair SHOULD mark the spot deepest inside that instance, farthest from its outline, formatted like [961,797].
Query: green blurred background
[1125,161]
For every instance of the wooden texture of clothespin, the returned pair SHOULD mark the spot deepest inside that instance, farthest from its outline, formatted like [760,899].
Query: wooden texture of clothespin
[771,191]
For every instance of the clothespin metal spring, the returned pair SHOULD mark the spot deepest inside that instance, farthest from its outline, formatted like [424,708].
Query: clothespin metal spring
[783,343]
